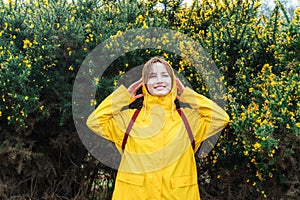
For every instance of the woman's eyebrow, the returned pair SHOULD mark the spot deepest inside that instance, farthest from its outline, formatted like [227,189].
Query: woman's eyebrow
[152,73]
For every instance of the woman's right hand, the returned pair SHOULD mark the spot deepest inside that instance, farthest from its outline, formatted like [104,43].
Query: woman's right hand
[180,87]
[134,87]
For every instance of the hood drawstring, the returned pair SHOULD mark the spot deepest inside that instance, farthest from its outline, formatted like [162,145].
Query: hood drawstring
[145,106]
[172,102]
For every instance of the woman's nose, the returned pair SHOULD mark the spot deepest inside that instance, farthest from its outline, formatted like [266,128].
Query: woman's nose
[159,79]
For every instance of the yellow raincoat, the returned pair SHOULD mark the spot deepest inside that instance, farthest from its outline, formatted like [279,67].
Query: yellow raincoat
[158,161]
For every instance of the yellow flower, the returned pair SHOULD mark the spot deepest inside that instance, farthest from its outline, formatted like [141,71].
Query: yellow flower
[270,175]
[93,102]
[96,79]
[145,25]
[243,116]
[26,44]
[26,98]
[272,152]
[298,124]
[257,145]
[224,151]
[46,2]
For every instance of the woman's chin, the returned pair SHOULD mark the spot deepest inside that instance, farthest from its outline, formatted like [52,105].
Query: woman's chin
[160,93]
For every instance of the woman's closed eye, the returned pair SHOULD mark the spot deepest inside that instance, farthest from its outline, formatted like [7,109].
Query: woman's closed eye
[152,76]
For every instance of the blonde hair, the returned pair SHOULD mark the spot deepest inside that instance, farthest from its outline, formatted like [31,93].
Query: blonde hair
[149,64]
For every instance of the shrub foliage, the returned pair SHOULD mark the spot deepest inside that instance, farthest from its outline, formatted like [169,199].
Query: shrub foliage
[44,42]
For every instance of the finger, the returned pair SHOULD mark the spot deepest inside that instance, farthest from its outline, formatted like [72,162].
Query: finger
[135,84]
[139,96]
[179,84]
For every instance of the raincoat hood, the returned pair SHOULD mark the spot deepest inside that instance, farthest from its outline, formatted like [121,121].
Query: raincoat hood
[166,101]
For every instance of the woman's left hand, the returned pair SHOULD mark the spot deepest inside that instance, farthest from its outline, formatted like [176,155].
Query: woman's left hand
[180,87]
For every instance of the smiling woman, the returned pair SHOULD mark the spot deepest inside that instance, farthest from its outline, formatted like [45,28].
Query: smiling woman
[158,150]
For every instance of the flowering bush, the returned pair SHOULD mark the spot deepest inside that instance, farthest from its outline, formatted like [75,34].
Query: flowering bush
[43,43]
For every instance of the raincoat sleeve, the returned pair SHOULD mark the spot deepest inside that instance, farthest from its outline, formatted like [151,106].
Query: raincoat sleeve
[206,118]
[108,120]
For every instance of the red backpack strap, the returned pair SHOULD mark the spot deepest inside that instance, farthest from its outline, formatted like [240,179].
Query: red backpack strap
[187,126]
[134,116]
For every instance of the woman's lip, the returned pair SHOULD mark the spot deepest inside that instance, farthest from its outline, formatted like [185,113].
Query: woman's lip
[159,87]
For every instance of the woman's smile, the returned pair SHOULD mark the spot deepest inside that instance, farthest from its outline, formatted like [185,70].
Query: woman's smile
[159,87]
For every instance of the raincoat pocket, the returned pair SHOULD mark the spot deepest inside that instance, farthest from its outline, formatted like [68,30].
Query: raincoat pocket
[183,181]
[133,179]
[129,186]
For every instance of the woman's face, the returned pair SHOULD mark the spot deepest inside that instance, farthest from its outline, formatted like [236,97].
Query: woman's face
[159,80]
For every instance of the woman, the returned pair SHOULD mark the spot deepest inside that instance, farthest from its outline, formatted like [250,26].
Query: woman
[158,153]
